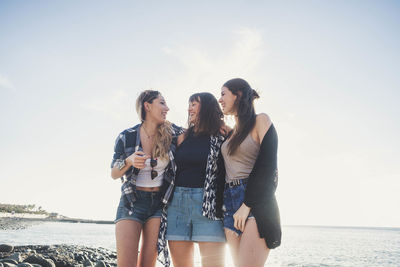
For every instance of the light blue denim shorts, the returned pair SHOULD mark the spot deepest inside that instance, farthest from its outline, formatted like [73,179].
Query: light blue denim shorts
[186,221]
[233,199]
[147,206]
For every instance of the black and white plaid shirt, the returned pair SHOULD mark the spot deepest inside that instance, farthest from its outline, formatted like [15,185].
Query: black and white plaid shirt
[126,144]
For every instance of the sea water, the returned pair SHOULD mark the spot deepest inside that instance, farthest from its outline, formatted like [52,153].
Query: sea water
[301,245]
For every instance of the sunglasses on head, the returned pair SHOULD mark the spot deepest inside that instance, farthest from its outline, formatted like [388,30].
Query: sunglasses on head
[153,163]
[150,96]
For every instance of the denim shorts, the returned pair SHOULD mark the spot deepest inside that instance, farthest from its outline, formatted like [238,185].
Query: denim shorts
[186,221]
[147,206]
[233,199]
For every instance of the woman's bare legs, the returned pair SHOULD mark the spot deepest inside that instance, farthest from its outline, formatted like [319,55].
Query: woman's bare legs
[127,233]
[182,253]
[253,251]
[148,249]
[233,243]
[248,249]
[212,254]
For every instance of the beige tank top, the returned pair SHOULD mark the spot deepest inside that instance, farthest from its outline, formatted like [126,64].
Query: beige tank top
[241,163]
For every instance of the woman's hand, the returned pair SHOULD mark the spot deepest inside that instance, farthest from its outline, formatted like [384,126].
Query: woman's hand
[240,217]
[137,159]
[225,129]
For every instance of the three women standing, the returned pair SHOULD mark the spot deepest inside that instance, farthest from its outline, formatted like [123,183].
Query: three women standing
[144,156]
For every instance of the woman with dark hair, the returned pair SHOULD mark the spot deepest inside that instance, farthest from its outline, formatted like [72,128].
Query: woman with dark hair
[251,217]
[195,211]
[143,159]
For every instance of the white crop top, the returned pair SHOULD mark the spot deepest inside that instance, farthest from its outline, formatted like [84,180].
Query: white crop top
[144,176]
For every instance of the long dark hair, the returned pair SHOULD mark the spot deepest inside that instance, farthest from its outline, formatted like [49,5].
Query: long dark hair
[210,117]
[244,107]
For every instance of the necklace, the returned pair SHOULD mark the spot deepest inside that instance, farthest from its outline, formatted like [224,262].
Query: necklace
[145,131]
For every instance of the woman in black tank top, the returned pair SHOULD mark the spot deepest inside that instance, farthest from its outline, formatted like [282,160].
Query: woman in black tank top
[195,211]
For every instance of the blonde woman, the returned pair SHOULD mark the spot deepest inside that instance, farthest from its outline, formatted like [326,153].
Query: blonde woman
[143,159]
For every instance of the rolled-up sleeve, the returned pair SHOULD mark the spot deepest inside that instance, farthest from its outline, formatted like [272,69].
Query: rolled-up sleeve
[176,130]
[119,150]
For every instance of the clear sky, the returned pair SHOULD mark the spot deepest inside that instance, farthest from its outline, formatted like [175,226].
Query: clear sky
[327,72]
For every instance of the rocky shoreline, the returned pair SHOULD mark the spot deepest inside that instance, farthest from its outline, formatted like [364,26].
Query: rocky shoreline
[51,255]
[17,223]
[56,256]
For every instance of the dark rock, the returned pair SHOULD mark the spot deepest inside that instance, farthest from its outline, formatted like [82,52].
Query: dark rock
[100,264]
[6,248]
[16,256]
[62,256]
[87,263]
[40,260]
[4,254]
[9,261]
[50,263]
[62,261]
[7,264]
[79,258]
[113,256]
[43,247]
[24,264]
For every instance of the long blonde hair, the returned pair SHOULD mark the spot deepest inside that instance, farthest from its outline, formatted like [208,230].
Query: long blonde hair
[163,137]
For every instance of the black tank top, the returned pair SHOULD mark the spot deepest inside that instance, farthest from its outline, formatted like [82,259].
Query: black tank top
[191,161]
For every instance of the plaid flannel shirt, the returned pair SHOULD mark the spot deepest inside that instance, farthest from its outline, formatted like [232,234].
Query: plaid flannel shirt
[127,143]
